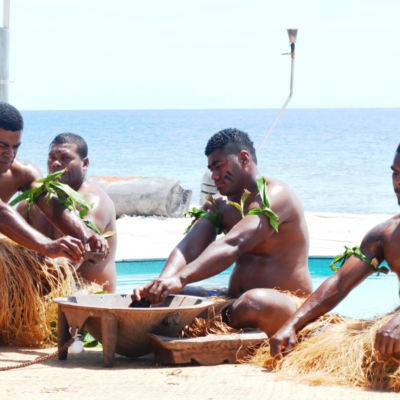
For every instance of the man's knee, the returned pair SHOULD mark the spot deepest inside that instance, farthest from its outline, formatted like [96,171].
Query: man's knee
[258,308]
[250,304]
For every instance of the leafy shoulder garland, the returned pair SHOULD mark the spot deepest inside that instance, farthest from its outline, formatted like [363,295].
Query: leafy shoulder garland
[355,251]
[67,196]
[217,219]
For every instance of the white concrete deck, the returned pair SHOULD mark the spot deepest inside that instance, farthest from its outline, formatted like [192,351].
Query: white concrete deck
[155,237]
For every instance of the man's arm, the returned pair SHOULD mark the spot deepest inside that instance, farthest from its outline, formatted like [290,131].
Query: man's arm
[190,247]
[14,227]
[217,257]
[330,293]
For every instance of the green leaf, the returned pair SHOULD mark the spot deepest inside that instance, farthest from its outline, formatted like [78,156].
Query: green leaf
[52,177]
[243,199]
[273,218]
[88,339]
[24,196]
[101,292]
[356,251]
[109,234]
[71,194]
[236,205]
[92,226]
[262,189]
[196,214]
[213,202]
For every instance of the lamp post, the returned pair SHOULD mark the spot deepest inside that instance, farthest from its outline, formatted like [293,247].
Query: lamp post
[5,52]
[207,186]
[292,39]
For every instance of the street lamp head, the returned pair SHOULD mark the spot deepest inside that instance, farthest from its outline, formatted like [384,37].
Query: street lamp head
[292,35]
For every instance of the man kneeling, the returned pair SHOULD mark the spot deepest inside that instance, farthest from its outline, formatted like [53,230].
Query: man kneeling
[68,150]
[265,258]
[381,243]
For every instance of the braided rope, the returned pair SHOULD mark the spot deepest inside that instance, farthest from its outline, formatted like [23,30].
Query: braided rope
[41,359]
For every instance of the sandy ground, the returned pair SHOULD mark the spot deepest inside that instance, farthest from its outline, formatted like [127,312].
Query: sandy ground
[155,237]
[83,375]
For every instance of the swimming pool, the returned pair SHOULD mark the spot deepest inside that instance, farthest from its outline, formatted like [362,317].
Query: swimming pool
[376,295]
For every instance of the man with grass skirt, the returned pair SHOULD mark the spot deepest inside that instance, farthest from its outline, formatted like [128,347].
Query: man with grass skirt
[380,243]
[266,237]
[70,151]
[17,175]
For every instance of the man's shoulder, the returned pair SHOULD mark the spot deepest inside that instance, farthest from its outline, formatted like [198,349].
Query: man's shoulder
[276,187]
[90,190]
[385,231]
[25,171]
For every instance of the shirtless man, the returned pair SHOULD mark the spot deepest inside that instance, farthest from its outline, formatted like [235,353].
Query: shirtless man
[70,151]
[382,243]
[264,259]
[17,175]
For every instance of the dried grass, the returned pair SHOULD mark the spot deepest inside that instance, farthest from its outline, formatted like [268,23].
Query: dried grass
[214,324]
[28,284]
[336,350]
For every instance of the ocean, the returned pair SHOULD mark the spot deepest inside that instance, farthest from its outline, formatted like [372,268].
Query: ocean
[337,160]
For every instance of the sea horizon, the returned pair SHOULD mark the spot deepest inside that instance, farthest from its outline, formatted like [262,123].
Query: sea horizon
[336,159]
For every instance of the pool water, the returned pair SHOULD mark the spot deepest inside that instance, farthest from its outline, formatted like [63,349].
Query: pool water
[376,295]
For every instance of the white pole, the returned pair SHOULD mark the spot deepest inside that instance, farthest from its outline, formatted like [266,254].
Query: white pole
[6,14]
[5,52]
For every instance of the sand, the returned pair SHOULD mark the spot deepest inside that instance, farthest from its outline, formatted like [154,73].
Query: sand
[83,375]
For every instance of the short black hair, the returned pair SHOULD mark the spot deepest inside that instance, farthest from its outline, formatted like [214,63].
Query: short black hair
[81,145]
[10,118]
[232,139]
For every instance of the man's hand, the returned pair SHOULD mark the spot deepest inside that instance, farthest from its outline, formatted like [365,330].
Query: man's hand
[67,246]
[282,342]
[97,243]
[158,290]
[387,340]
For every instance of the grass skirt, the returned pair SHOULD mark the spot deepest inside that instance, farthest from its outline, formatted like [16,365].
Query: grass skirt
[28,284]
[336,350]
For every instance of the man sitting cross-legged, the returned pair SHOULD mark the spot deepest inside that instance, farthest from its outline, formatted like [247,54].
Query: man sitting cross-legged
[70,151]
[264,258]
[381,243]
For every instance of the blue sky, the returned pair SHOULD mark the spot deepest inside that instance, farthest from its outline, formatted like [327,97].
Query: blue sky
[197,54]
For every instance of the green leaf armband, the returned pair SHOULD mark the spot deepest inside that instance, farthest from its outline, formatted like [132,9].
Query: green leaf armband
[355,251]
[266,210]
[197,214]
